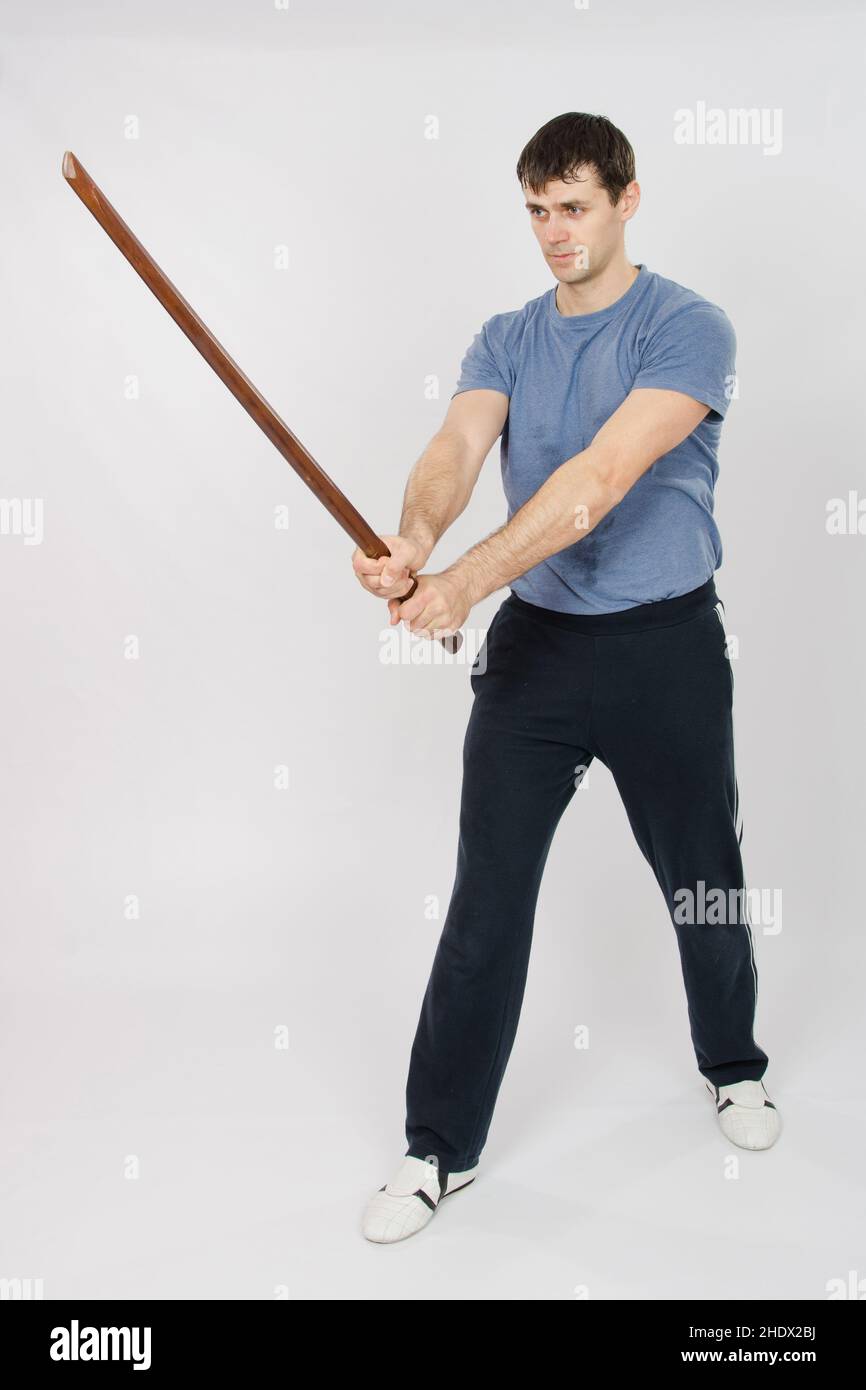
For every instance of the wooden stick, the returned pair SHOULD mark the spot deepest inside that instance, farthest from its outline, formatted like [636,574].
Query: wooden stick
[230,373]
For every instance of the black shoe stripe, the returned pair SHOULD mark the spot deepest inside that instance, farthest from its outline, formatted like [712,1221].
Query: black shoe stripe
[725,1103]
[443,1183]
[460,1188]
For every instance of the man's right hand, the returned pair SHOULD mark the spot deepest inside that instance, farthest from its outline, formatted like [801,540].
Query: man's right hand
[388,577]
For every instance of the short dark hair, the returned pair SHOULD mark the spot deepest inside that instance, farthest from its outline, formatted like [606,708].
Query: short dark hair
[561,147]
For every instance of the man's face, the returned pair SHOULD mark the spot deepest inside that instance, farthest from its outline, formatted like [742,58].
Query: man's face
[576,226]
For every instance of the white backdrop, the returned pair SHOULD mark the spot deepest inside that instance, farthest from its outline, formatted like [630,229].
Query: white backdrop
[172,656]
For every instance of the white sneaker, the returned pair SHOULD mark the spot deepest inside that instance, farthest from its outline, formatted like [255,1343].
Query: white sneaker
[746,1114]
[408,1201]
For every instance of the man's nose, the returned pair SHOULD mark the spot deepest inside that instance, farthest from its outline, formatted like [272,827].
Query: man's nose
[557,231]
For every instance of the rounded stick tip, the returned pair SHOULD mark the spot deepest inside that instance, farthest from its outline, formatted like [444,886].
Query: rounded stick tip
[70,165]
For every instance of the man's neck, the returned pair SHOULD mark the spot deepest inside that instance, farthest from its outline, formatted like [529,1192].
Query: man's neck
[591,295]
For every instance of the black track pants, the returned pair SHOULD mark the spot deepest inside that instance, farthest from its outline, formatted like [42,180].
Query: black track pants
[647,691]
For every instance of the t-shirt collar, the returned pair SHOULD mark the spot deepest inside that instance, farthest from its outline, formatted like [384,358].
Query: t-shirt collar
[572,322]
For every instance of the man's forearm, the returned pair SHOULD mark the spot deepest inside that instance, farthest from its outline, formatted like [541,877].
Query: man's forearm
[568,505]
[437,491]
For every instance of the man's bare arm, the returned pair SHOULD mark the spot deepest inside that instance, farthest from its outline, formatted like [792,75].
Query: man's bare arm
[438,489]
[576,497]
[442,481]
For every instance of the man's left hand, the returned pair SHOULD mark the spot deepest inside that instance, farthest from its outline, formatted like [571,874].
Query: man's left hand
[440,605]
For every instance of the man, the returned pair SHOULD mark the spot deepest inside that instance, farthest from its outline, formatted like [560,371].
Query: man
[609,392]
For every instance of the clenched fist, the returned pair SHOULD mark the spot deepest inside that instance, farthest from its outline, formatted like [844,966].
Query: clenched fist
[440,605]
[388,577]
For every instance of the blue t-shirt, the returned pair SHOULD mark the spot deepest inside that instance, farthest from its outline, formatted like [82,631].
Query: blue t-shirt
[564,377]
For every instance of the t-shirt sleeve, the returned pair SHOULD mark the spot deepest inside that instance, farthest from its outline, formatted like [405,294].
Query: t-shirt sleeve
[485,365]
[693,351]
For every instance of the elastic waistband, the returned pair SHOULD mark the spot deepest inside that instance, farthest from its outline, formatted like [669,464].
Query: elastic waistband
[664,613]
